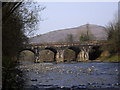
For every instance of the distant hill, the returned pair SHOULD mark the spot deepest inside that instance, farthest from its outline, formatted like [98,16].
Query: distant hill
[97,32]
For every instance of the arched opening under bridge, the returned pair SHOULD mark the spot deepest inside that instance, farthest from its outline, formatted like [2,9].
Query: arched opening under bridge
[94,53]
[70,54]
[26,56]
[47,55]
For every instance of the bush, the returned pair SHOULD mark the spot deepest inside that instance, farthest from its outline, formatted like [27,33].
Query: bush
[11,76]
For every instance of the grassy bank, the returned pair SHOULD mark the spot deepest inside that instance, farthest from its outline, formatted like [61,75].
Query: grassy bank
[112,58]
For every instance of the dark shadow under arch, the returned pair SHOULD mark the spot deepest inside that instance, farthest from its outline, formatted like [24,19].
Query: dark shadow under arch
[52,49]
[76,49]
[94,53]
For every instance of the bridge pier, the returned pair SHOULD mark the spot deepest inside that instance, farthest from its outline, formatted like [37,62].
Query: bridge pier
[83,55]
[60,56]
[86,56]
[36,58]
[36,54]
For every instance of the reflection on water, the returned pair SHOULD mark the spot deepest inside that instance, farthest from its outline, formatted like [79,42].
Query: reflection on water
[75,75]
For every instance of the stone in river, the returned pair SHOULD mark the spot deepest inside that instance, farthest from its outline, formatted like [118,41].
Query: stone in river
[33,79]
[61,86]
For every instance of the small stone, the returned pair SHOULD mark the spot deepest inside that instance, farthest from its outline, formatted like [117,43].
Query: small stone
[113,84]
[81,85]
[37,72]
[61,86]
[46,81]
[117,84]
[40,82]
[102,84]
[33,79]
[116,70]
[89,69]
[74,87]
[89,83]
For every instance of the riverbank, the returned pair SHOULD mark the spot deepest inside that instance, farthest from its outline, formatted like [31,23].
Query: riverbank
[114,58]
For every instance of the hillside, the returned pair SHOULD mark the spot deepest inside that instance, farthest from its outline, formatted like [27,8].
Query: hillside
[97,32]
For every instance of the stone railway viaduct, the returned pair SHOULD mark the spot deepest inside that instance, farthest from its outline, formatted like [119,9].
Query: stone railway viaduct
[81,49]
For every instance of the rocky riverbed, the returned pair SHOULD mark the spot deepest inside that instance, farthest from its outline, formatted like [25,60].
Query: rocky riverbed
[71,75]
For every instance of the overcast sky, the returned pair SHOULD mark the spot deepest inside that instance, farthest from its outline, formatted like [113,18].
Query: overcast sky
[61,15]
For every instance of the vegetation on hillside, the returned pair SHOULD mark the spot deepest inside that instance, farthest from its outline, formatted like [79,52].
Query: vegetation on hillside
[70,38]
[84,37]
[87,36]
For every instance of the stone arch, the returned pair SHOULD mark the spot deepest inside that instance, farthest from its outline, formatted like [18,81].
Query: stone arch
[26,55]
[52,49]
[28,50]
[47,55]
[71,53]
[94,52]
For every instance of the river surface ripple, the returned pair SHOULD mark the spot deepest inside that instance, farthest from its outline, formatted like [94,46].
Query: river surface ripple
[71,75]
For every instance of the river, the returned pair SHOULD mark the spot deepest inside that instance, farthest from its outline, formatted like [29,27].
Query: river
[71,75]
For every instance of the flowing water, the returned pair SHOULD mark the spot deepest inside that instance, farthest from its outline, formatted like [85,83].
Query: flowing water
[71,75]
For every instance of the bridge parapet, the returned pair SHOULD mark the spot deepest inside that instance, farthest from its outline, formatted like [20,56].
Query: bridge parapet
[68,44]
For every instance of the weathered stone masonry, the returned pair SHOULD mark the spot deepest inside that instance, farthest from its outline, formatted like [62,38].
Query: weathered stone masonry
[81,49]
